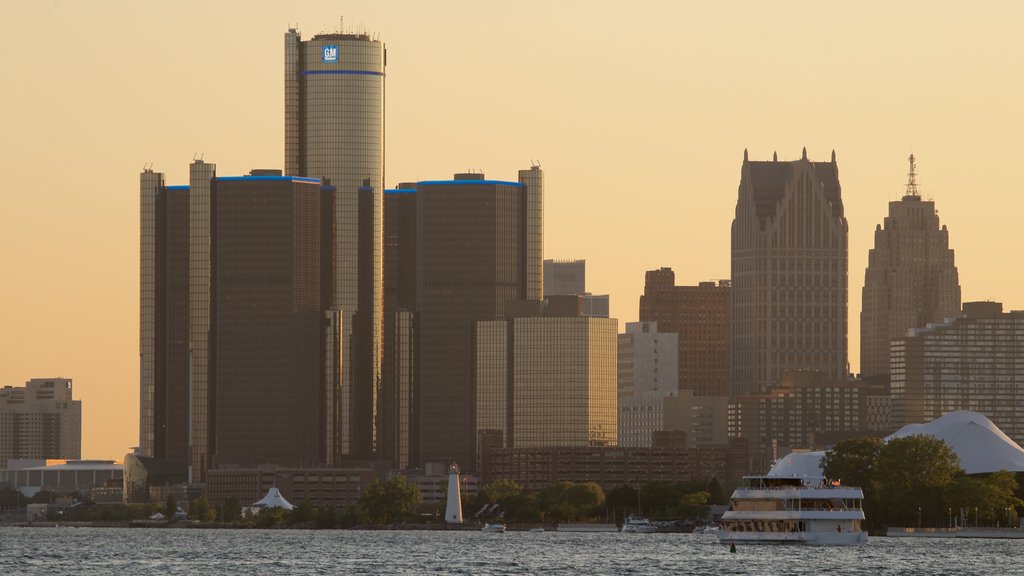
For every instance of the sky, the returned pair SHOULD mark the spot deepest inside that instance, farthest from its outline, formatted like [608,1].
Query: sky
[638,112]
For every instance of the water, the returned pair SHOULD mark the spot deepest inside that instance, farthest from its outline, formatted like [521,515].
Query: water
[125,552]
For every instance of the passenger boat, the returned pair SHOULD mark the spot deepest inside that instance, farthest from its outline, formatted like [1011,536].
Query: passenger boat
[793,510]
[794,503]
[638,525]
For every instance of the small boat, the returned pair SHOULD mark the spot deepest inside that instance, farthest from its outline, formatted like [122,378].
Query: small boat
[710,529]
[638,525]
[496,527]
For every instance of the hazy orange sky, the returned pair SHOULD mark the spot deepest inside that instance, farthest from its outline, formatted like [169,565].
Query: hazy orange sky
[638,112]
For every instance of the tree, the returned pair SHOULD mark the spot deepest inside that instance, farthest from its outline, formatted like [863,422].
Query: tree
[202,511]
[992,498]
[498,491]
[694,505]
[386,501]
[910,478]
[583,500]
[301,514]
[854,462]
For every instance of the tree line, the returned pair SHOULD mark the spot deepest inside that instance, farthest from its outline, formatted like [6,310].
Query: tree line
[917,481]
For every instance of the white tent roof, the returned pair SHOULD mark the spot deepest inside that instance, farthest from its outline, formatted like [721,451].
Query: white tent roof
[805,465]
[981,446]
[273,499]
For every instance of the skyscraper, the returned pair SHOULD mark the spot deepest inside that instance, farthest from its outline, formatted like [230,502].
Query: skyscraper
[398,440]
[699,315]
[239,341]
[911,280]
[789,273]
[334,129]
[478,246]
[274,339]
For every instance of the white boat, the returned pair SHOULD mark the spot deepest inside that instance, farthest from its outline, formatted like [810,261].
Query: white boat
[496,527]
[710,529]
[791,510]
[638,525]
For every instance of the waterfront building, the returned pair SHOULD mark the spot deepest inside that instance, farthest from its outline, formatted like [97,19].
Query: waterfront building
[968,363]
[700,317]
[60,476]
[334,130]
[911,280]
[789,273]
[339,486]
[247,259]
[807,410]
[478,246]
[40,420]
[667,460]
[569,278]
[546,376]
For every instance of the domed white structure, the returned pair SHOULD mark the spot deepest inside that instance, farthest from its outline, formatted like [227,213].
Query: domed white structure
[982,447]
[980,444]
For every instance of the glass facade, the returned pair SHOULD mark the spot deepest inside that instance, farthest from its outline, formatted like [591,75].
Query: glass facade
[201,176]
[472,258]
[396,438]
[547,381]
[334,129]
[268,330]
[789,273]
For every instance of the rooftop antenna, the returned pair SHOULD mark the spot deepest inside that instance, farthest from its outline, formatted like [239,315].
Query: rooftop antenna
[200,157]
[912,178]
[341,24]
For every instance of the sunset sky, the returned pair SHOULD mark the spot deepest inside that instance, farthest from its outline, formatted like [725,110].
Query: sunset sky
[638,112]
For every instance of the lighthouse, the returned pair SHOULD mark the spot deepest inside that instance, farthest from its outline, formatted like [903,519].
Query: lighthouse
[453,512]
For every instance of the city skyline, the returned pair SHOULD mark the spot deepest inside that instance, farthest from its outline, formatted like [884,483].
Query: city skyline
[875,86]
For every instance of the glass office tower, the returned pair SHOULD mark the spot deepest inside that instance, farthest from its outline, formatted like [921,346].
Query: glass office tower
[334,130]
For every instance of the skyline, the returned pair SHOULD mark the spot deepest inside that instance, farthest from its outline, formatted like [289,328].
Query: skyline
[477,87]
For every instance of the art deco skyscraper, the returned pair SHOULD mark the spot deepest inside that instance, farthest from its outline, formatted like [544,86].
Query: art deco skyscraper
[334,129]
[789,273]
[911,280]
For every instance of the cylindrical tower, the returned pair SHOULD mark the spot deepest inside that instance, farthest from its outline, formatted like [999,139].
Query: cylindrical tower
[334,129]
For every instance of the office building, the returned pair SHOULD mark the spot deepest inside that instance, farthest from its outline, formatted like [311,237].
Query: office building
[911,280]
[397,429]
[39,421]
[789,273]
[569,278]
[806,410]
[614,466]
[648,372]
[334,130]
[240,346]
[478,246]
[969,363]
[546,376]
[700,317]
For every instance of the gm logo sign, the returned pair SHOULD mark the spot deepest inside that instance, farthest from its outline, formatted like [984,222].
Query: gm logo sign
[329,55]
